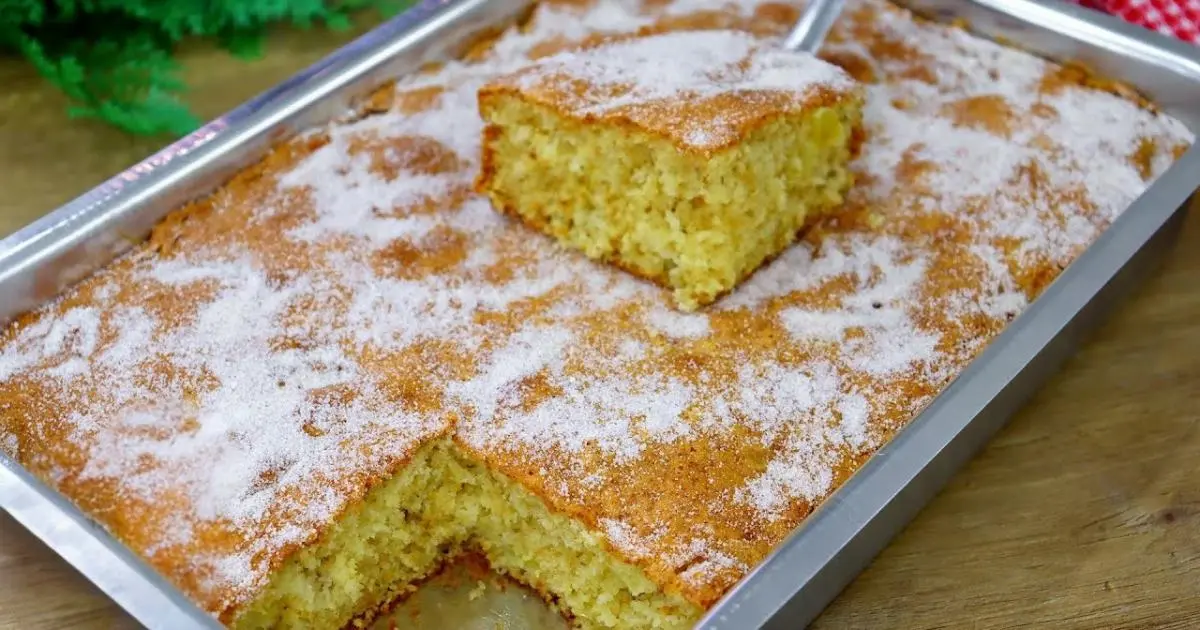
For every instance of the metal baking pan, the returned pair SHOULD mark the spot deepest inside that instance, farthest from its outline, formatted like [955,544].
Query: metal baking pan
[809,569]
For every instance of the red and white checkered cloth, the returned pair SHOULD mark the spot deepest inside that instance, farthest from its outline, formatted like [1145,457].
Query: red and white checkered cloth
[1180,18]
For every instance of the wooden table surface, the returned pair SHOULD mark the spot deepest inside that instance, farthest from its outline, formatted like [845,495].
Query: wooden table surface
[1083,513]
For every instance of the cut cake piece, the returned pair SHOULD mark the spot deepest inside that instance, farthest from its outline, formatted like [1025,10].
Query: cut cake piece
[687,158]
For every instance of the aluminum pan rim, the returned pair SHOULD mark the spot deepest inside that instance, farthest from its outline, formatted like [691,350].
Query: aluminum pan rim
[1003,359]
[855,505]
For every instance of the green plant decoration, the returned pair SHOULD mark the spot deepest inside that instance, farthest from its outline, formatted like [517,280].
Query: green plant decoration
[114,58]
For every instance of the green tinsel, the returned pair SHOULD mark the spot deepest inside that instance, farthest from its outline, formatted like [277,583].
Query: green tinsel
[113,58]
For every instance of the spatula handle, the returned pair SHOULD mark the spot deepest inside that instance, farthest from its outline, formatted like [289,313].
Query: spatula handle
[814,24]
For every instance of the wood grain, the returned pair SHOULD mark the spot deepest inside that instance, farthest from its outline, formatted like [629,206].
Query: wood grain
[1083,513]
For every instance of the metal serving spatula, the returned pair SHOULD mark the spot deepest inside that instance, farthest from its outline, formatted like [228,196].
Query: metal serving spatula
[814,24]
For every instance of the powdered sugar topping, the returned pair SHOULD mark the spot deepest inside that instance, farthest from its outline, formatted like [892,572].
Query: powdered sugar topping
[374,302]
[650,76]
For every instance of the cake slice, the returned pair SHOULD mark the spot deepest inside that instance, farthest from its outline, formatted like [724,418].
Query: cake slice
[687,158]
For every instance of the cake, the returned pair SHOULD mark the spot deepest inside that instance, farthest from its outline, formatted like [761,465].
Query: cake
[309,389]
[685,157]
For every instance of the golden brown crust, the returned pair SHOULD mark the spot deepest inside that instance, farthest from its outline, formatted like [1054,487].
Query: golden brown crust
[487,150]
[754,114]
[680,505]
[748,110]
[34,412]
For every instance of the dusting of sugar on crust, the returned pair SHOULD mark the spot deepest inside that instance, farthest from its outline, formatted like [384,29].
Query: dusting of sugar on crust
[662,81]
[241,382]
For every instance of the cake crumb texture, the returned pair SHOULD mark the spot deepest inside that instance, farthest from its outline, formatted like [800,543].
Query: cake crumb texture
[442,505]
[690,173]
[295,349]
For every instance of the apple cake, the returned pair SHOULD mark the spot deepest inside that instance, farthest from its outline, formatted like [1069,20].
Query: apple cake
[311,387]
